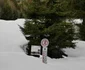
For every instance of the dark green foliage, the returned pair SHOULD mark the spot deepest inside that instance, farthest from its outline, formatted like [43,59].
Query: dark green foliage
[82,30]
[48,21]
[78,8]
[8,13]
[60,36]
[56,53]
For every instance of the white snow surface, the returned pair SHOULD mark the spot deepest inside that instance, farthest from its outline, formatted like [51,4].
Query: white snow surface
[77,21]
[12,56]
[11,37]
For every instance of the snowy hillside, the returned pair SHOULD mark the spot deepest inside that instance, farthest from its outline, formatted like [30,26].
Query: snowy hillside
[12,56]
[10,36]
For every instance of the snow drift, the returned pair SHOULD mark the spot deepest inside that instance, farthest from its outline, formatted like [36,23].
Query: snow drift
[79,51]
[12,56]
[11,37]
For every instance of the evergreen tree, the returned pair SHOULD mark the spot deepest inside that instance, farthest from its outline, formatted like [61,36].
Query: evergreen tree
[48,21]
[82,30]
[7,12]
[78,11]
[81,7]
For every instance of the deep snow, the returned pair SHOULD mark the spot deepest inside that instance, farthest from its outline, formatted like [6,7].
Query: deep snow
[12,56]
[11,37]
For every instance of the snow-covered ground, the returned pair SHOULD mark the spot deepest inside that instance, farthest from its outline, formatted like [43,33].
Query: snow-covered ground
[11,37]
[12,56]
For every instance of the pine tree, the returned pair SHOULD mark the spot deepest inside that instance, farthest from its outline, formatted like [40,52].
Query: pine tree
[81,9]
[78,11]
[82,30]
[8,12]
[48,21]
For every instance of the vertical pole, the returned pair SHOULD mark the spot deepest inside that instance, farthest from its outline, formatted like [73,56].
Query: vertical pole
[44,55]
[44,44]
